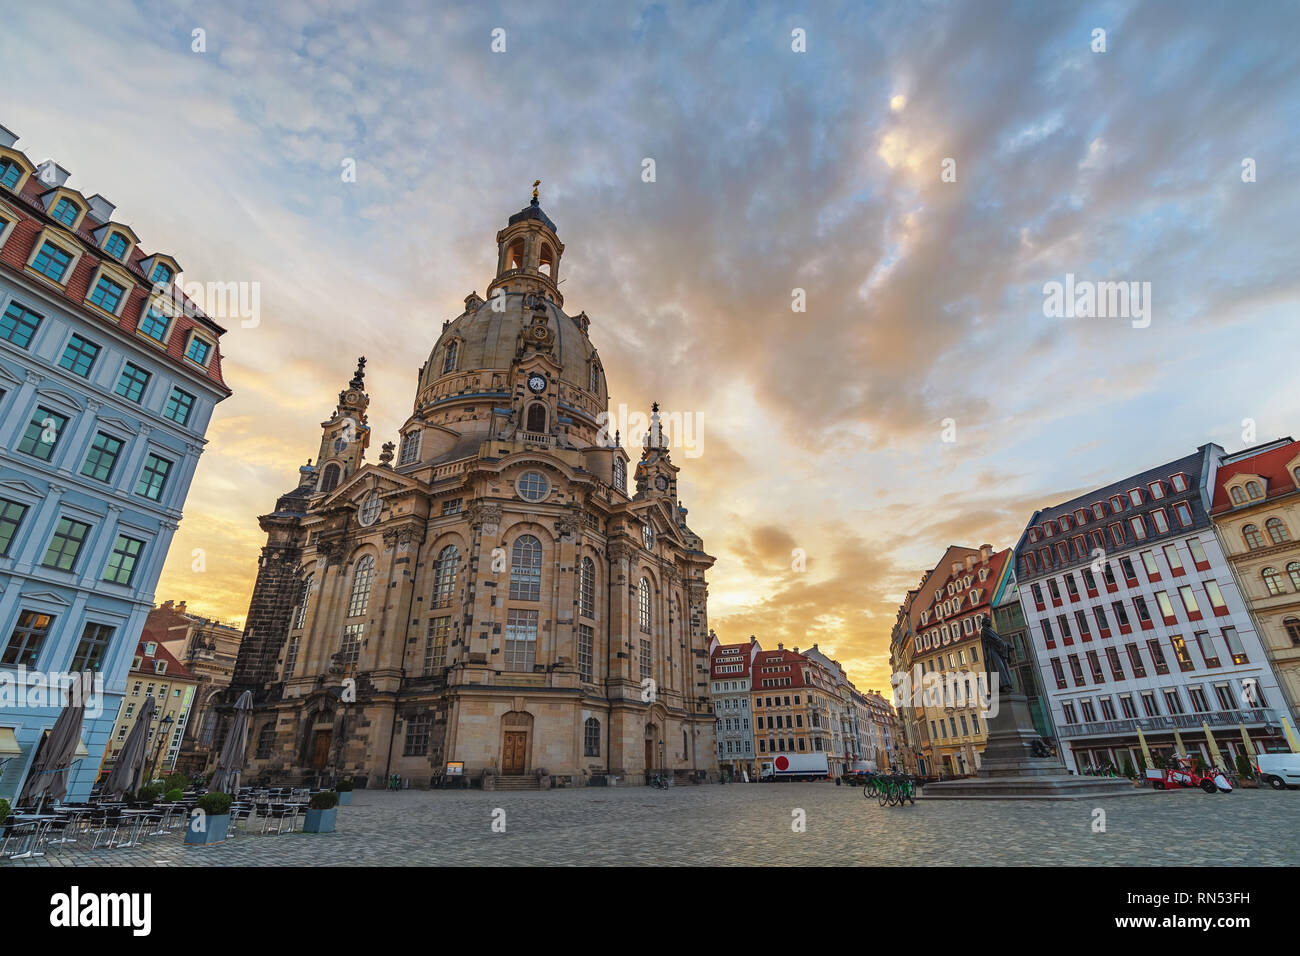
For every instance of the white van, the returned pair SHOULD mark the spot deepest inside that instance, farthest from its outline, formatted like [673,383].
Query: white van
[1279,771]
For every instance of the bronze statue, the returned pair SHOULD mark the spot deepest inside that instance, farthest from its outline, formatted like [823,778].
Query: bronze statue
[996,652]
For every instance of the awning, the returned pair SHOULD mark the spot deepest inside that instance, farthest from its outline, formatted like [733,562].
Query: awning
[8,743]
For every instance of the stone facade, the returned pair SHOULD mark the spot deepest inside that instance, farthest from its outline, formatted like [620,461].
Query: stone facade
[489,594]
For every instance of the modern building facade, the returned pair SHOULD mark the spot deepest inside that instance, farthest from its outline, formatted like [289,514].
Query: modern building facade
[490,595]
[154,673]
[208,650]
[730,670]
[1256,513]
[1137,622]
[108,380]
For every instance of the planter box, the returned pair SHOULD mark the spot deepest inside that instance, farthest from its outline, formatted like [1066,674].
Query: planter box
[215,831]
[320,821]
[345,798]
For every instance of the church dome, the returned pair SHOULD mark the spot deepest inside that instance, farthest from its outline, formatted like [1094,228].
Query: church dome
[486,339]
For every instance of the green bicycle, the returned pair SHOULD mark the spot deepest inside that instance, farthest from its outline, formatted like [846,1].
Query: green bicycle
[895,789]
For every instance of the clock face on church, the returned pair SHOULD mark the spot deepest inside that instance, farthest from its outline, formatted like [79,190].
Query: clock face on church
[648,536]
[536,383]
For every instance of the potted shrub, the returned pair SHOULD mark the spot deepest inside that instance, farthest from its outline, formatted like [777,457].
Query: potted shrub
[173,795]
[1246,772]
[344,790]
[146,794]
[322,810]
[4,816]
[211,819]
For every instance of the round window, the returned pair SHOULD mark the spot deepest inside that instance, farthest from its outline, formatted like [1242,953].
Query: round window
[370,509]
[532,486]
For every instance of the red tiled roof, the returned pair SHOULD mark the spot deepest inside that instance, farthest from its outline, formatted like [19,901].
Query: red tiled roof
[175,669]
[788,661]
[996,563]
[741,658]
[18,247]
[1269,465]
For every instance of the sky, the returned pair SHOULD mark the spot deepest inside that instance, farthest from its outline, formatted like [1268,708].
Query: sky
[921,171]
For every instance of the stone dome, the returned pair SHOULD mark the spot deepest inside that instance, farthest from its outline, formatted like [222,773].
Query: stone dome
[488,339]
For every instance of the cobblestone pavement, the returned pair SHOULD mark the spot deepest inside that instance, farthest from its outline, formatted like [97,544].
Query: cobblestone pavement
[748,825]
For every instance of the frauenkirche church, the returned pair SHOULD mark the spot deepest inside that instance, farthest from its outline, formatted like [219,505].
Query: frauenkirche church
[491,594]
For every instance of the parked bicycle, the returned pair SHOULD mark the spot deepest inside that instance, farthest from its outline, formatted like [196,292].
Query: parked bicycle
[659,782]
[893,789]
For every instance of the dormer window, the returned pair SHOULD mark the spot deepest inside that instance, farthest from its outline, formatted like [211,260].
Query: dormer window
[161,273]
[1135,496]
[1049,529]
[10,173]
[52,261]
[1253,490]
[154,324]
[1065,522]
[66,211]
[199,350]
[1099,510]
[160,667]
[409,453]
[116,245]
[595,377]
[1157,489]
[107,294]
[1117,504]
[1033,535]
[150,649]
[1080,516]
[1179,482]
[1238,495]
[449,360]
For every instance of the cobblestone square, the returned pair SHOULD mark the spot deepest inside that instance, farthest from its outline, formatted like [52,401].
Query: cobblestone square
[747,825]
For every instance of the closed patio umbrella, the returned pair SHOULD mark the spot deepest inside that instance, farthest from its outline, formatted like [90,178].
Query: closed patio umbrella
[1215,755]
[1146,754]
[1180,747]
[230,762]
[48,776]
[1290,735]
[1245,739]
[127,775]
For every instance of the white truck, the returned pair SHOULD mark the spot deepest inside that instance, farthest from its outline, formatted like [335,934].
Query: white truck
[794,767]
[1278,771]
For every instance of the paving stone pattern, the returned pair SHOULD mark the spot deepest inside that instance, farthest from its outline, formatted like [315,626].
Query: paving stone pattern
[747,825]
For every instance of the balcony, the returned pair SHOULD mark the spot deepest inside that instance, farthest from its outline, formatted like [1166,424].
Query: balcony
[1167,723]
[536,438]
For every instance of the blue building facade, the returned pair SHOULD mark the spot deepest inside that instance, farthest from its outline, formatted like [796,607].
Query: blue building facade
[108,381]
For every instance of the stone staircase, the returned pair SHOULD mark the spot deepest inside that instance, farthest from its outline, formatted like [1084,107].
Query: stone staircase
[522,782]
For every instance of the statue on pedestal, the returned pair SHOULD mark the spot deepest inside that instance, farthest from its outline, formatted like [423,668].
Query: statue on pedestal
[996,652]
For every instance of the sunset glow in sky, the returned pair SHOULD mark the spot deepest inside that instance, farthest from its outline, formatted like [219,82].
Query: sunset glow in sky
[775,170]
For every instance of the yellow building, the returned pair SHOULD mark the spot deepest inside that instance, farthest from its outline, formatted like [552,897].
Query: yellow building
[154,673]
[1256,514]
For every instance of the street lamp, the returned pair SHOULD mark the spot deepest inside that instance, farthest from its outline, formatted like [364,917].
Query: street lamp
[164,727]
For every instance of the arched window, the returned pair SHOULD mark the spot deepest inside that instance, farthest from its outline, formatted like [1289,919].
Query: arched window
[330,478]
[595,377]
[526,569]
[1253,538]
[1296,475]
[620,474]
[587,588]
[515,257]
[444,576]
[1277,532]
[1238,496]
[643,604]
[449,358]
[591,737]
[546,261]
[1273,581]
[266,741]
[303,597]
[362,580]
[1253,490]
[537,417]
[1293,572]
[1292,625]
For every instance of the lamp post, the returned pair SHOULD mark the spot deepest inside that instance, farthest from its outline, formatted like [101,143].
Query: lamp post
[164,727]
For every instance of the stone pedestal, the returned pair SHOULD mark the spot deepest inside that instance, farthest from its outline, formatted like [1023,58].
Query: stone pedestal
[1010,771]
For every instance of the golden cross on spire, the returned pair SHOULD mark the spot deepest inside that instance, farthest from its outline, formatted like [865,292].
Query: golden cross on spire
[536,183]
